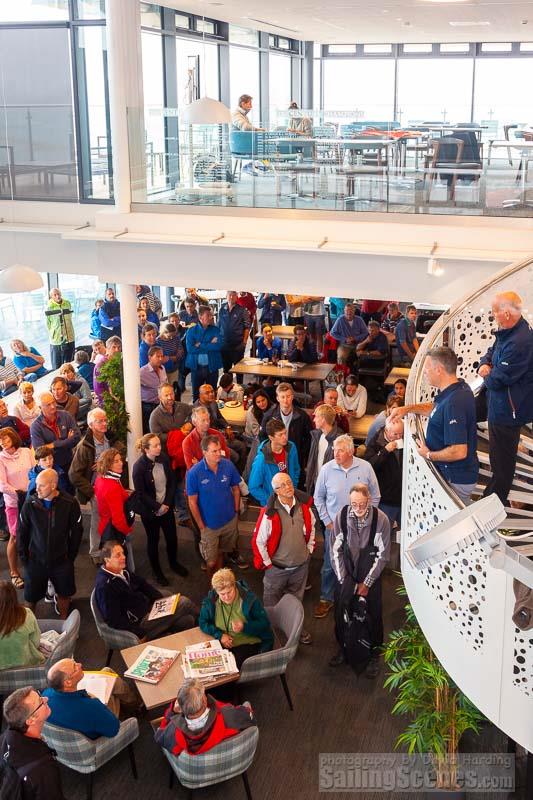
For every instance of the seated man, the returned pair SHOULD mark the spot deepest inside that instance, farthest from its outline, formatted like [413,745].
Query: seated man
[353,397]
[125,599]
[65,401]
[406,340]
[375,348]
[349,329]
[390,321]
[76,709]
[331,398]
[24,749]
[196,722]
[275,455]
[206,398]
[302,348]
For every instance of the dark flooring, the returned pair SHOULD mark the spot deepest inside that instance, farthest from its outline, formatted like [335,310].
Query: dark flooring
[334,710]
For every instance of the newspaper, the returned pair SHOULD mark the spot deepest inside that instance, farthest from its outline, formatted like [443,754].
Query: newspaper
[48,641]
[164,606]
[208,661]
[152,664]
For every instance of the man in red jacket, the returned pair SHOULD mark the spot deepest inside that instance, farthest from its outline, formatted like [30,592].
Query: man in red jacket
[196,722]
[192,444]
[283,541]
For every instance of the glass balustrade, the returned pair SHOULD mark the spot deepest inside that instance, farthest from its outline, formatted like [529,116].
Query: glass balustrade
[336,160]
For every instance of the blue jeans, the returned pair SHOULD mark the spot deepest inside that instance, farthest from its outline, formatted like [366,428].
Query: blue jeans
[394,513]
[202,375]
[328,581]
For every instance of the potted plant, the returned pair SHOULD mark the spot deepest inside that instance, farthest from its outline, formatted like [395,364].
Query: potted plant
[440,713]
[114,402]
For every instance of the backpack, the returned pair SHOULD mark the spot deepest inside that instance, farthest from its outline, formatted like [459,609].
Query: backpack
[12,780]
[353,620]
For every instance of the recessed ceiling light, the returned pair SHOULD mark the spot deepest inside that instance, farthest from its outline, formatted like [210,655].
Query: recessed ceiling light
[465,24]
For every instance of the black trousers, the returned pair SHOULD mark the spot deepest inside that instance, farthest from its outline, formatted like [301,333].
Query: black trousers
[503,448]
[344,594]
[230,356]
[152,526]
[147,409]
[61,354]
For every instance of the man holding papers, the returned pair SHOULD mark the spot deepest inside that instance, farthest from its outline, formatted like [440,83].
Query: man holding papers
[74,708]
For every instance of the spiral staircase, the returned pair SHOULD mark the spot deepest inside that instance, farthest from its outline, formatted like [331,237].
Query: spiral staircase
[463,604]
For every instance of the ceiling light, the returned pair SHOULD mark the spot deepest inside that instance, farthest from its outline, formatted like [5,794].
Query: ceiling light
[465,24]
[207,111]
[19,278]
[475,523]
[445,1]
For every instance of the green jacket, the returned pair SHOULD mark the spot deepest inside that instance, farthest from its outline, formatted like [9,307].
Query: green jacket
[60,327]
[20,647]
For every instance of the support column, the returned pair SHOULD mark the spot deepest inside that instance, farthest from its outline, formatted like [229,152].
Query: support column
[126,101]
[307,78]
[130,363]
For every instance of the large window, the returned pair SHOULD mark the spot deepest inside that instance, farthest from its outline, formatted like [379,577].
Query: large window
[279,82]
[22,317]
[82,292]
[154,122]
[244,77]
[37,141]
[197,65]
[30,11]
[361,88]
[434,90]
[500,96]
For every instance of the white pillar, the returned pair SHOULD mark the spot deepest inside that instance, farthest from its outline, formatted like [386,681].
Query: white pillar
[130,362]
[126,101]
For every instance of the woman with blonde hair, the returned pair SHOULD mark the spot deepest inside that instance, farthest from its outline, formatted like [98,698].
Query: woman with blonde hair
[155,485]
[28,360]
[19,631]
[27,409]
[233,614]
[15,464]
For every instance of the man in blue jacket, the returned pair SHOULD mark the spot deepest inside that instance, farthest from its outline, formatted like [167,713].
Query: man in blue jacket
[507,372]
[109,316]
[234,322]
[57,428]
[274,455]
[204,344]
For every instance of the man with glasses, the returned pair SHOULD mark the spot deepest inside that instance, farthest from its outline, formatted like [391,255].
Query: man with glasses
[283,542]
[359,552]
[23,749]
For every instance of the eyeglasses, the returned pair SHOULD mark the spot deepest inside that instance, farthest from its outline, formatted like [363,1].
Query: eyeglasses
[43,702]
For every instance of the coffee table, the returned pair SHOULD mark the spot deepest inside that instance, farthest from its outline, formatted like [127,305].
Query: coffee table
[160,694]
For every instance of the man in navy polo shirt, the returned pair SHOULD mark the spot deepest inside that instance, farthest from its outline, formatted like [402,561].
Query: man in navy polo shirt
[406,340]
[214,501]
[451,435]
[234,323]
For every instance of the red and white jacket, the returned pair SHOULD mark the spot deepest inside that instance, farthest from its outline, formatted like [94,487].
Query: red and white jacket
[267,532]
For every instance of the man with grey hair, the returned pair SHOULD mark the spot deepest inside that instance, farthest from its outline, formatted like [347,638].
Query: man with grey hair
[507,372]
[359,552]
[74,708]
[385,453]
[196,722]
[332,493]
[81,473]
[24,750]
[451,434]
[283,541]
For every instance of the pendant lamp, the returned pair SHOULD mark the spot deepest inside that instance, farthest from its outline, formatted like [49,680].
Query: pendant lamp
[19,278]
[207,111]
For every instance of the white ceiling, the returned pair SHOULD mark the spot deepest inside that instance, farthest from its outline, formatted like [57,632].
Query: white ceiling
[372,21]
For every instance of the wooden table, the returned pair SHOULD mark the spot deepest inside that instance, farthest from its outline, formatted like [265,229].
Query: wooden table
[397,372]
[160,694]
[359,427]
[309,372]
[236,417]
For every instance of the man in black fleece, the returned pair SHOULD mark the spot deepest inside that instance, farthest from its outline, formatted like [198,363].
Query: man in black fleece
[24,751]
[125,599]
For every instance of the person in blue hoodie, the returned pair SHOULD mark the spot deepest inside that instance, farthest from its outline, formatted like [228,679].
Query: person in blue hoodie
[109,315]
[507,372]
[275,454]
[96,324]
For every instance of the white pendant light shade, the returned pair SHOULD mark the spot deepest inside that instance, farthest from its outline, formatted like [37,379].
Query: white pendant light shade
[207,111]
[19,278]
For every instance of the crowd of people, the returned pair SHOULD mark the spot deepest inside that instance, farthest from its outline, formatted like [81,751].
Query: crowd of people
[299,465]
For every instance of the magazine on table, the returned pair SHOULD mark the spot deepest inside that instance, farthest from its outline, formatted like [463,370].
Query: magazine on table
[208,660]
[98,684]
[152,665]
[164,606]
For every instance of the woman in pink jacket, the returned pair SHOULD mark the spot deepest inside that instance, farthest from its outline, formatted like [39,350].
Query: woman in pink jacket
[15,464]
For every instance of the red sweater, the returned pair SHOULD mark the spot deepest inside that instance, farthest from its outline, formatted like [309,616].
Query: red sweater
[192,446]
[110,497]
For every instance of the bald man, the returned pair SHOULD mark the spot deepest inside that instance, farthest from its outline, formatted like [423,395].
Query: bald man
[48,539]
[74,708]
[507,372]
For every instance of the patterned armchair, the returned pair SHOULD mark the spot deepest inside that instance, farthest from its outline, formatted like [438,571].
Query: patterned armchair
[113,639]
[228,759]
[85,755]
[286,616]
[17,677]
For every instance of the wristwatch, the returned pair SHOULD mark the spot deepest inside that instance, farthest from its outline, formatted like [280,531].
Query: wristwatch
[428,455]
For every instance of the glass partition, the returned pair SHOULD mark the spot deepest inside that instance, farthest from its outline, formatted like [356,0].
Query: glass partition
[244,78]
[360,89]
[434,90]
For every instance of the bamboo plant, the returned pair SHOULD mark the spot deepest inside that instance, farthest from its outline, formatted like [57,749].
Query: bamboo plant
[440,713]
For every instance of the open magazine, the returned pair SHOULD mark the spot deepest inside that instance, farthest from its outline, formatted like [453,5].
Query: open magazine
[152,665]
[164,606]
[208,661]
[98,684]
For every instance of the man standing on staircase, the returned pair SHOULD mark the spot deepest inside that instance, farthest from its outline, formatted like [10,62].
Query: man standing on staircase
[507,372]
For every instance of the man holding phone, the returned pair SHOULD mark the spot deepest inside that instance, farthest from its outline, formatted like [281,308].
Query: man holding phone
[451,434]
[385,453]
